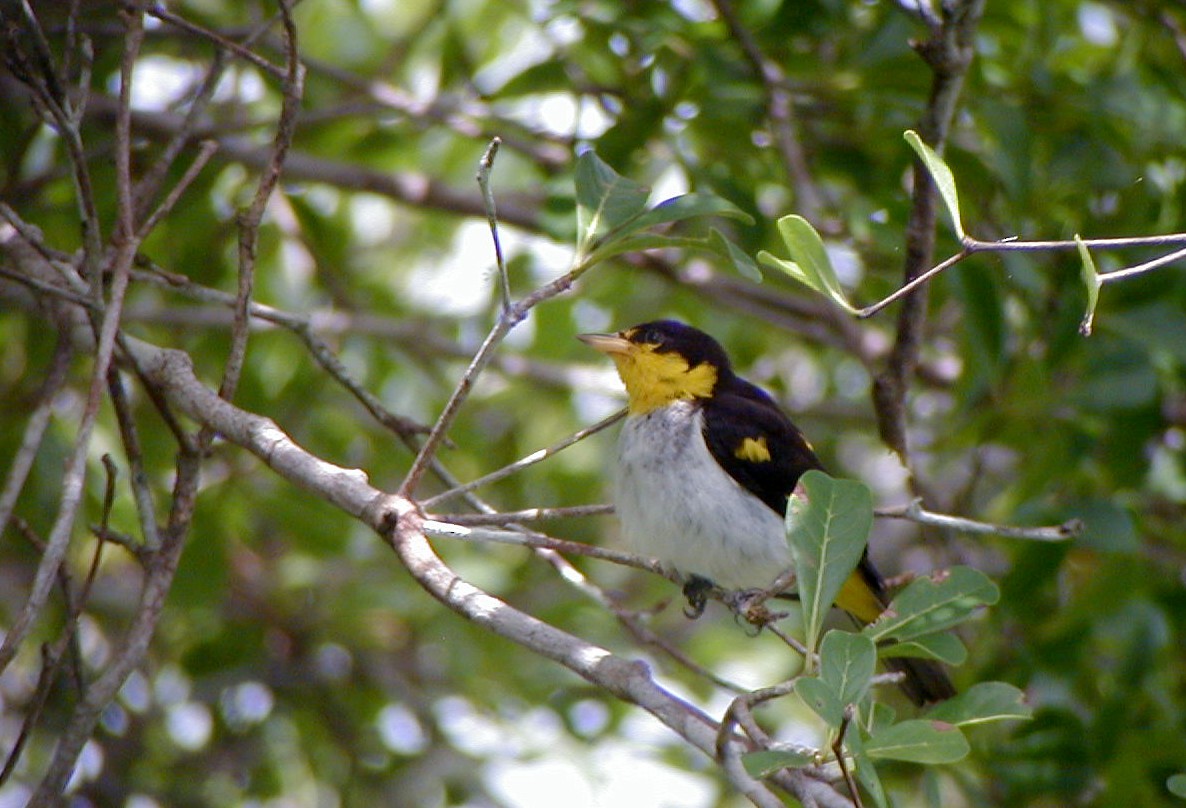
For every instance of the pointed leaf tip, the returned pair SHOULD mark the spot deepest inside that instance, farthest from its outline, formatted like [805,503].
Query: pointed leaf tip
[944,180]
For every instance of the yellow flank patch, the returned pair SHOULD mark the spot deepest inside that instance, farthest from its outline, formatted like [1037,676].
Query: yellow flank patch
[858,599]
[655,379]
[753,449]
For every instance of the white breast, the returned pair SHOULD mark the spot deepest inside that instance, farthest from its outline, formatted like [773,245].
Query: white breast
[678,506]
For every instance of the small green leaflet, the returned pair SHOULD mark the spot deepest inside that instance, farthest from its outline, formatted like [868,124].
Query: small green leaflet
[809,264]
[1091,280]
[942,176]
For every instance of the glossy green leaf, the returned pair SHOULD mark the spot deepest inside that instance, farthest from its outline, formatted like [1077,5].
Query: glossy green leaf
[687,206]
[919,741]
[982,703]
[741,260]
[846,664]
[821,698]
[942,176]
[1176,785]
[934,604]
[809,264]
[639,242]
[788,268]
[605,199]
[1091,282]
[828,523]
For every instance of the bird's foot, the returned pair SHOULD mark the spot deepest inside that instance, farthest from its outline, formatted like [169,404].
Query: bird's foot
[750,605]
[696,590]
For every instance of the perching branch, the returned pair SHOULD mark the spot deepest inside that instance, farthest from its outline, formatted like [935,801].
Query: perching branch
[916,513]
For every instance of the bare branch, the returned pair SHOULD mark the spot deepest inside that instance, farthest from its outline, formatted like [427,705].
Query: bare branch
[915,512]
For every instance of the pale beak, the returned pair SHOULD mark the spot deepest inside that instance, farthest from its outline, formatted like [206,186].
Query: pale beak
[607,343]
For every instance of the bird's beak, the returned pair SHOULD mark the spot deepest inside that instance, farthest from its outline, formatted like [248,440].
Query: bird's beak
[611,344]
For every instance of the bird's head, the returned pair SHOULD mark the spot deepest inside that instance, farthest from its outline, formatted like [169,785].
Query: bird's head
[662,362]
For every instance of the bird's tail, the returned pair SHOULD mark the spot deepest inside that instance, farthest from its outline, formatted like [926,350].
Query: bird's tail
[864,596]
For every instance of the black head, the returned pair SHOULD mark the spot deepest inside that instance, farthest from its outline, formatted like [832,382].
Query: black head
[672,336]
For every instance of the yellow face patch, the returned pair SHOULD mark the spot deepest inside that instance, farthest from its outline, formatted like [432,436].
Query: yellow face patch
[754,450]
[655,379]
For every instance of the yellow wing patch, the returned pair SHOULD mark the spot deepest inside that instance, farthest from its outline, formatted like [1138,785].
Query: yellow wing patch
[754,450]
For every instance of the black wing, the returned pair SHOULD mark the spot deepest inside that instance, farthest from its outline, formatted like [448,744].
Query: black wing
[755,442]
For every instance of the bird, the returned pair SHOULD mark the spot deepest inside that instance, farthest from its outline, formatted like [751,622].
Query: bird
[706,464]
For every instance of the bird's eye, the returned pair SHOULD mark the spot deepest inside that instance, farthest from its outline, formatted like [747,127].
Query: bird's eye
[651,336]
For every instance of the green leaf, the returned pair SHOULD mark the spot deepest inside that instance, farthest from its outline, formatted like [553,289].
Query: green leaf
[982,703]
[821,698]
[942,176]
[934,604]
[1091,280]
[846,664]
[642,241]
[768,761]
[605,199]
[828,523]
[946,648]
[1177,785]
[688,206]
[788,268]
[745,265]
[809,264]
[919,741]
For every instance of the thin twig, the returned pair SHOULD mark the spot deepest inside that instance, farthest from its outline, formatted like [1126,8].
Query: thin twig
[915,512]
[1129,272]
[249,220]
[159,11]
[205,152]
[971,246]
[445,530]
[838,749]
[303,326]
[138,478]
[528,515]
[531,459]
[485,166]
